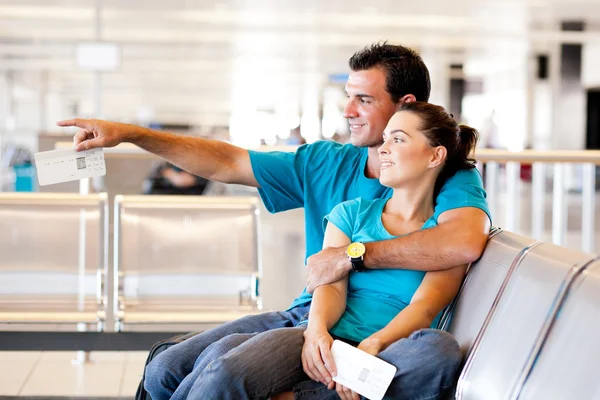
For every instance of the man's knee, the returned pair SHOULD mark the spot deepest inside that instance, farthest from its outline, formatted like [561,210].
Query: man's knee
[230,342]
[221,379]
[167,369]
[157,373]
[220,348]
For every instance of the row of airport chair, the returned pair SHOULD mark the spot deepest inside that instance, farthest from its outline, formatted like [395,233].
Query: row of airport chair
[176,260]
[526,319]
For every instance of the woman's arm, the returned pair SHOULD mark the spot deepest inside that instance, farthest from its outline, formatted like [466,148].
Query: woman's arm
[327,306]
[436,291]
[329,301]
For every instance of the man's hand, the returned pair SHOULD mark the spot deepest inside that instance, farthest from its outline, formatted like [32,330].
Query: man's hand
[327,266]
[96,133]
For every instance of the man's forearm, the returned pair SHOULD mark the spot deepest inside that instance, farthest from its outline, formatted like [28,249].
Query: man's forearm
[444,246]
[459,239]
[211,159]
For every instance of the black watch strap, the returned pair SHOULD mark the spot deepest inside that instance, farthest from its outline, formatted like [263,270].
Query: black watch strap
[358,264]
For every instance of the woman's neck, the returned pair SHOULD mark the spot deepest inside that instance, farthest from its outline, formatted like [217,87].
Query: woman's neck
[412,202]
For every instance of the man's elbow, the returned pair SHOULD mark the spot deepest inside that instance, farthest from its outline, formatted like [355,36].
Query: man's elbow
[469,229]
[226,174]
[229,171]
[473,246]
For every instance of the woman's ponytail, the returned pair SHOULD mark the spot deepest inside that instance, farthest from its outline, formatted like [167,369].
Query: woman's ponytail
[466,144]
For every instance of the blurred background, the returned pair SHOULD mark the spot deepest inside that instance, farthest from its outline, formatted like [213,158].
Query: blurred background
[259,74]
[257,70]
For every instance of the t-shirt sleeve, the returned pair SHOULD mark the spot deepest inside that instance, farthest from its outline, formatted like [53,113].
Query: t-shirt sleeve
[464,189]
[343,216]
[281,178]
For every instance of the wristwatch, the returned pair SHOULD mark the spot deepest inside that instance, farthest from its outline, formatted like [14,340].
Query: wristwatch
[356,252]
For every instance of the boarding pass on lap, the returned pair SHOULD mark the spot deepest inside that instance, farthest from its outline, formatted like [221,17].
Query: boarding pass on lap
[365,374]
[65,165]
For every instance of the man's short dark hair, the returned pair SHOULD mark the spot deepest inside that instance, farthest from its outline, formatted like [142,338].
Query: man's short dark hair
[405,70]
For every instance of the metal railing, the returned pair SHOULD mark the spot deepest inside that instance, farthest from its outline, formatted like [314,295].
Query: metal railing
[561,162]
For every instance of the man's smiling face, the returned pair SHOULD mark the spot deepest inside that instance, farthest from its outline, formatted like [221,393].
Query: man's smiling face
[369,106]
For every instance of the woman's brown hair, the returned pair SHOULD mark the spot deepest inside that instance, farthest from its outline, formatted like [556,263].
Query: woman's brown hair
[441,129]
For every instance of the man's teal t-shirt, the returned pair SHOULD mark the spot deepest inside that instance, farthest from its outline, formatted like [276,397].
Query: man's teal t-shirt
[323,174]
[374,297]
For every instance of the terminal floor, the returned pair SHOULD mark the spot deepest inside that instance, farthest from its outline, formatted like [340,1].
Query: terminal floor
[36,374]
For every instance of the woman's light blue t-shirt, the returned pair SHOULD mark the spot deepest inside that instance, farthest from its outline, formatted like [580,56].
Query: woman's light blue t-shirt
[321,175]
[374,297]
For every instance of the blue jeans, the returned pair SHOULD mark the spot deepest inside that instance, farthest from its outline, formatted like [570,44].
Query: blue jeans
[173,372]
[257,365]
[427,363]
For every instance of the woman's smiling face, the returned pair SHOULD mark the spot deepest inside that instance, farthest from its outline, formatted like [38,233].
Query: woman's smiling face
[406,154]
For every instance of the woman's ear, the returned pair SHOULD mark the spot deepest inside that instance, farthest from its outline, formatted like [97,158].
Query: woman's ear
[438,156]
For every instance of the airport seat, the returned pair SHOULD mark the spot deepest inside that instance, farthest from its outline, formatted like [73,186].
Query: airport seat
[499,356]
[564,367]
[54,260]
[185,261]
[482,284]
[481,287]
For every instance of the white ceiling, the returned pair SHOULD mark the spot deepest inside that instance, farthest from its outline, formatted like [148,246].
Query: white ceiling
[193,60]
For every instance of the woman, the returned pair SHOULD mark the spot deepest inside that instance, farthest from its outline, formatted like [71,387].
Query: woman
[422,147]
[374,309]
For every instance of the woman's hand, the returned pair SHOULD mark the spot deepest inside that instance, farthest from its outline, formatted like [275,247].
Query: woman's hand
[345,393]
[317,360]
[371,345]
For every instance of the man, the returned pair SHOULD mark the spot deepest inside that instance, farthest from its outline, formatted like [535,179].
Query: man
[318,177]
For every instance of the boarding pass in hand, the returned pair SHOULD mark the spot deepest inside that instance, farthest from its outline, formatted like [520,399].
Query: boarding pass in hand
[65,165]
[365,374]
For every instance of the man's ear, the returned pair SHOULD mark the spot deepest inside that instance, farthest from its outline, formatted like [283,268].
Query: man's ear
[438,156]
[409,98]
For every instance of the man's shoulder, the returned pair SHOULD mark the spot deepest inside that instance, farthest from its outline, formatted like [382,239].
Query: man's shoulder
[327,148]
[462,177]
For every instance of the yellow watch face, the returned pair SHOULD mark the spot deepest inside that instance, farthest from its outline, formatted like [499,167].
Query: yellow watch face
[356,250]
